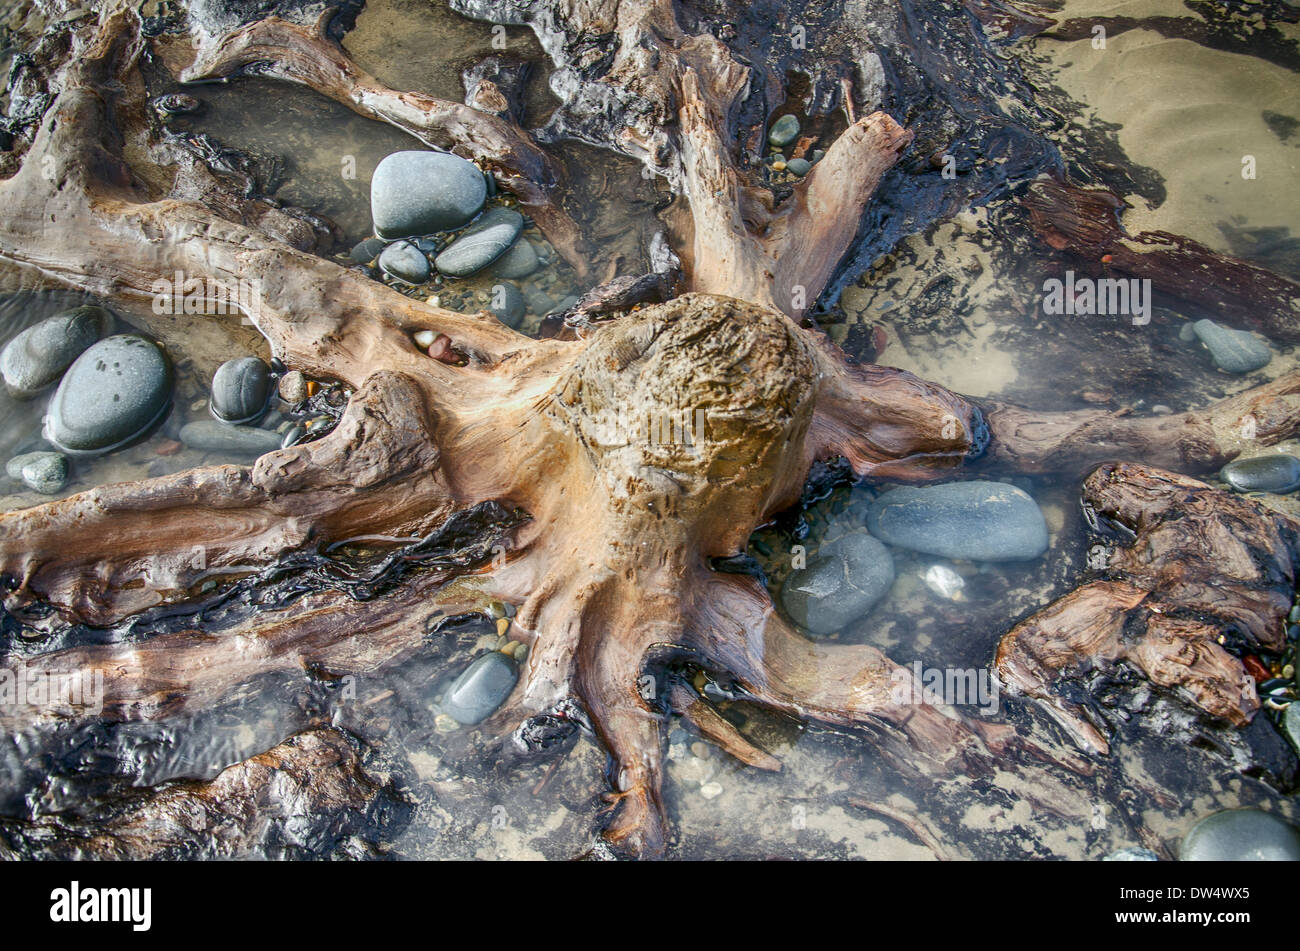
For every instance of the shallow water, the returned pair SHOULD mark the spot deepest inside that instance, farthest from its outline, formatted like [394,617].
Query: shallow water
[956,303]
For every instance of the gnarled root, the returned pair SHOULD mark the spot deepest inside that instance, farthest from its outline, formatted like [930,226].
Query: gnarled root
[114,551]
[306,55]
[1203,564]
[304,798]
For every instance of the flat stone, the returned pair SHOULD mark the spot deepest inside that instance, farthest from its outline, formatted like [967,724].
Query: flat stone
[520,260]
[481,688]
[405,262]
[44,472]
[843,583]
[211,435]
[1277,473]
[507,304]
[37,357]
[1241,835]
[241,390]
[422,192]
[784,131]
[979,521]
[113,393]
[481,243]
[1234,351]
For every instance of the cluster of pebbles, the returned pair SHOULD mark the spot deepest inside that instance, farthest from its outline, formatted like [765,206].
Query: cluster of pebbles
[444,233]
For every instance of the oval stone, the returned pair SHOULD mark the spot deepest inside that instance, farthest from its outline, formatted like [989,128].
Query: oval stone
[519,261]
[210,435]
[38,356]
[44,472]
[481,243]
[405,262]
[507,304]
[1233,351]
[481,688]
[784,131]
[241,390]
[1241,835]
[1278,473]
[420,192]
[840,585]
[113,393]
[980,521]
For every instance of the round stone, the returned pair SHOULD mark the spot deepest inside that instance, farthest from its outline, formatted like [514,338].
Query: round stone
[798,166]
[210,435]
[980,521]
[784,131]
[481,243]
[38,356]
[293,387]
[519,261]
[481,688]
[241,390]
[1277,473]
[405,262]
[44,472]
[507,304]
[1241,835]
[840,585]
[112,394]
[1233,351]
[421,192]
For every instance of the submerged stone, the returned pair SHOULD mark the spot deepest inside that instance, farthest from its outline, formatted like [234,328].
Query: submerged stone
[44,472]
[37,357]
[1234,351]
[481,243]
[1278,473]
[113,393]
[507,304]
[422,192]
[784,131]
[1241,835]
[210,435]
[241,390]
[519,261]
[840,585]
[363,252]
[979,521]
[798,166]
[481,688]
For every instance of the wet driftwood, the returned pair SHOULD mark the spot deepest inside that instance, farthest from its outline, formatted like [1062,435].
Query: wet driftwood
[612,565]
[1201,573]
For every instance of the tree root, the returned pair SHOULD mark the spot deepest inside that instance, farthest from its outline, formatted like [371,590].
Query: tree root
[1203,565]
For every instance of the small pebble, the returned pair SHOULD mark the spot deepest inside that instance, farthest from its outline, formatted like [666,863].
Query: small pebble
[293,387]
[711,790]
